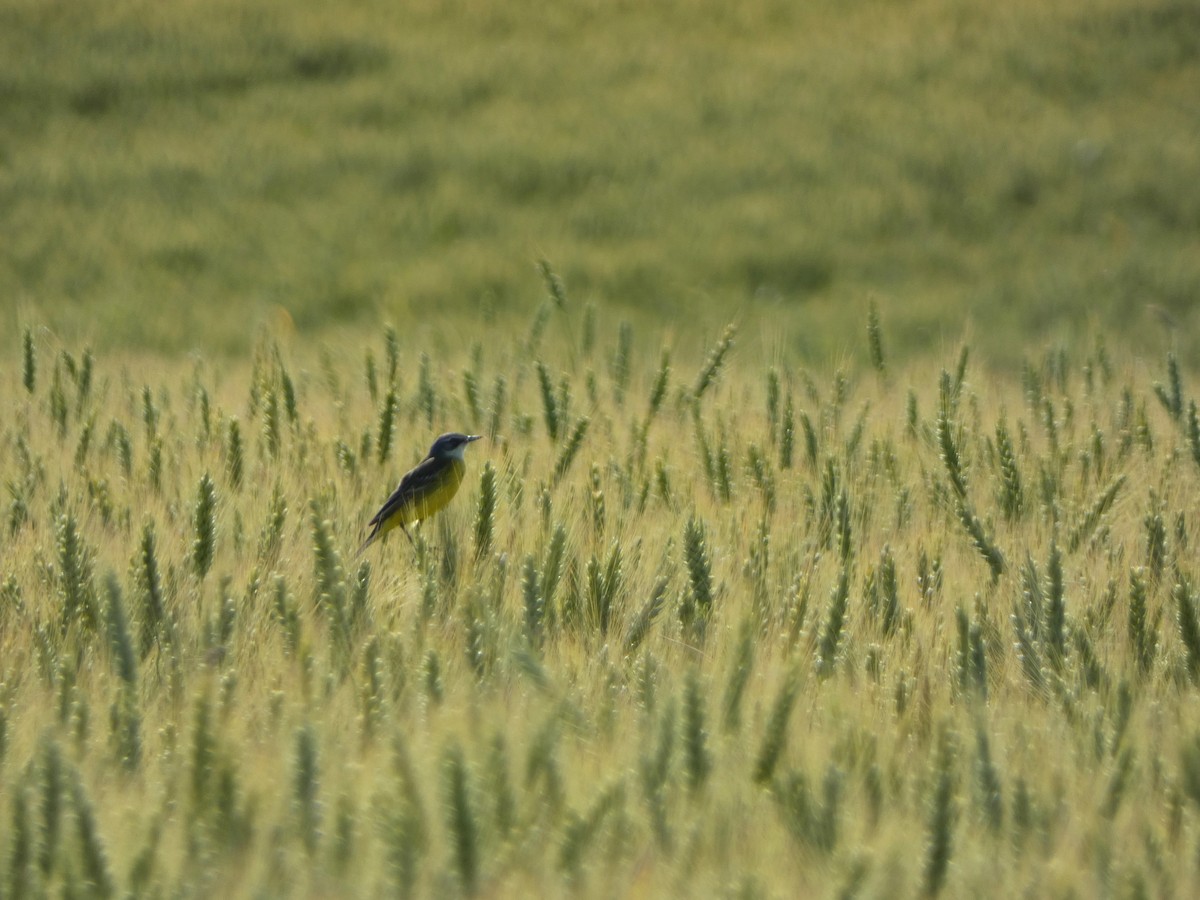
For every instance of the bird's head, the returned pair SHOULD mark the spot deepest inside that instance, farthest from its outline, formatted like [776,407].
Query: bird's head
[453,445]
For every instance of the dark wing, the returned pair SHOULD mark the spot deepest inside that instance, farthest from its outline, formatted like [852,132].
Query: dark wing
[411,485]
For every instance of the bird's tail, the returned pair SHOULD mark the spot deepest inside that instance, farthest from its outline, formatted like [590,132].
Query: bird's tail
[367,543]
[376,532]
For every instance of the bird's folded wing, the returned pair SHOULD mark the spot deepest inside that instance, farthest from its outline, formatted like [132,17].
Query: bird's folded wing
[425,477]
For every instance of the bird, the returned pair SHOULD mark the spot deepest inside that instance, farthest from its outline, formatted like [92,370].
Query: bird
[425,489]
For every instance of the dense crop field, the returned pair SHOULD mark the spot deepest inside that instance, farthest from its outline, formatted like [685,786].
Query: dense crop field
[833,530]
[1026,167]
[693,625]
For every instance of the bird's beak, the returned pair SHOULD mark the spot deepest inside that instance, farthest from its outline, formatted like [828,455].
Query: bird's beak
[473,437]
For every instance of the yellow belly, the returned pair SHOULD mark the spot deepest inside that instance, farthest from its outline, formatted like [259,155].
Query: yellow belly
[434,498]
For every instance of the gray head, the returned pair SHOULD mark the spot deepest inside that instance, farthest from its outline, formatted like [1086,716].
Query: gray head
[452,444]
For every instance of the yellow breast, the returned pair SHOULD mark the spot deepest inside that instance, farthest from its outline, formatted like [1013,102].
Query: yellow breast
[436,495]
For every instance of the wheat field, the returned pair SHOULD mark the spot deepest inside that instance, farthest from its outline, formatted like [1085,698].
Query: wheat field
[1028,168]
[831,534]
[697,624]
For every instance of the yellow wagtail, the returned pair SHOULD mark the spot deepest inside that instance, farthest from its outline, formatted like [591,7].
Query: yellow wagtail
[425,489]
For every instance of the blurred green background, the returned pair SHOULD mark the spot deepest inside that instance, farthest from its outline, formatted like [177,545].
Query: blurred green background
[173,175]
